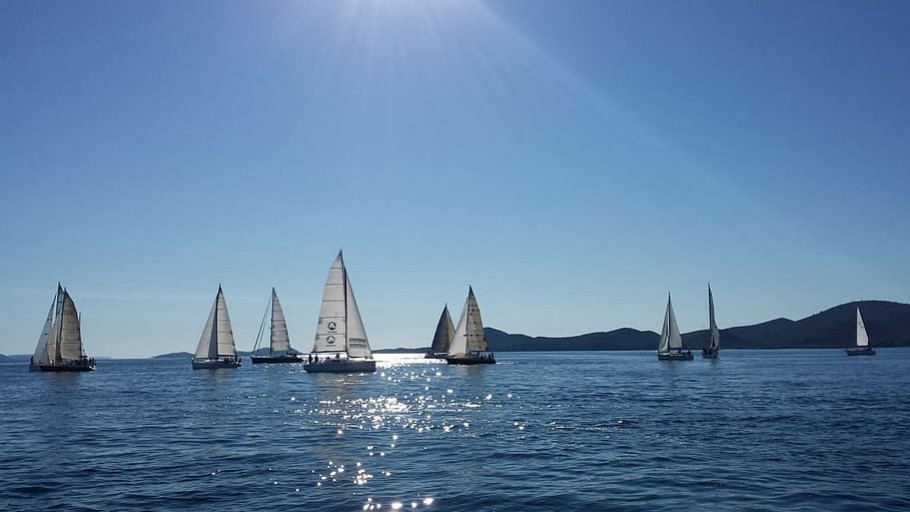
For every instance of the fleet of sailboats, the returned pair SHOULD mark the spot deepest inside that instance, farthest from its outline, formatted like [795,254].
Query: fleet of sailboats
[60,347]
[341,344]
[216,346]
[714,341]
[671,347]
[469,343]
[280,350]
[862,339]
[442,338]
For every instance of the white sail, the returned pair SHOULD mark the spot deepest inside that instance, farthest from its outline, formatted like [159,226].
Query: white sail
[225,333]
[715,333]
[279,340]
[331,330]
[445,330]
[208,341]
[669,336]
[459,345]
[862,338]
[47,338]
[217,340]
[469,336]
[357,342]
[70,341]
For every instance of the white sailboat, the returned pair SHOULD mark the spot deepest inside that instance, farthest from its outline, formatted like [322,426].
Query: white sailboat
[711,351]
[862,339]
[341,344]
[469,343]
[280,350]
[216,346]
[671,346]
[445,331]
[60,344]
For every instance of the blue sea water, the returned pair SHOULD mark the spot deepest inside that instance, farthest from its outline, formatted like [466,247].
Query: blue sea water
[754,430]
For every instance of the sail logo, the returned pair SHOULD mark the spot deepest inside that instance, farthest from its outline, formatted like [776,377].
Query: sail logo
[330,340]
[332,326]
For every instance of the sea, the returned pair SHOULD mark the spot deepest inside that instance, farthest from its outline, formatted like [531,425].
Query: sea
[586,431]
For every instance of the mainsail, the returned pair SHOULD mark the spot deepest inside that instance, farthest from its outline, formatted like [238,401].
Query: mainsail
[862,338]
[279,341]
[669,336]
[217,339]
[715,333]
[469,336]
[340,328]
[445,331]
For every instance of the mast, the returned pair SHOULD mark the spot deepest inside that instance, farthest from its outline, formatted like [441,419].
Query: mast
[60,299]
[344,281]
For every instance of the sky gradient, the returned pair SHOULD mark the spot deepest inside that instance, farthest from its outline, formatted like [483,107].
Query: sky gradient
[572,161]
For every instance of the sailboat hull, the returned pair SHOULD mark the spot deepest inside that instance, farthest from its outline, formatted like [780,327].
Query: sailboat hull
[275,359]
[865,351]
[674,356]
[58,368]
[470,360]
[216,364]
[341,366]
[709,353]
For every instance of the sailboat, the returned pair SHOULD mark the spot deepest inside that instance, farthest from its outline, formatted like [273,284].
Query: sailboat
[711,351]
[341,344]
[445,331]
[280,350]
[216,346]
[862,339]
[60,344]
[671,339]
[469,343]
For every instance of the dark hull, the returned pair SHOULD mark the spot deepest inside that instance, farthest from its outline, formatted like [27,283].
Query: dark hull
[469,360]
[63,368]
[675,356]
[860,352]
[708,354]
[275,360]
[341,366]
[216,364]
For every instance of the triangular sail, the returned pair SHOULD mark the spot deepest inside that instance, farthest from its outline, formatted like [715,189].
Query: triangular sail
[225,333]
[357,343]
[48,338]
[469,336]
[70,343]
[477,340]
[670,337]
[279,340]
[331,330]
[862,338]
[715,333]
[445,331]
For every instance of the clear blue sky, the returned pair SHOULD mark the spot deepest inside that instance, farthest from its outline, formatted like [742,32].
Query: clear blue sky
[573,161]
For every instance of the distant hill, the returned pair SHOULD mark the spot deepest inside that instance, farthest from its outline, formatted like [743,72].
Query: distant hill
[888,324]
[15,358]
[174,355]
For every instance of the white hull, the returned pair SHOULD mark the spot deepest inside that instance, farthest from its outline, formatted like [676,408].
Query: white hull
[342,366]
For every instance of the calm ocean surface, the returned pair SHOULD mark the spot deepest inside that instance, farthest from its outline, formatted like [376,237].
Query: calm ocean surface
[756,430]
